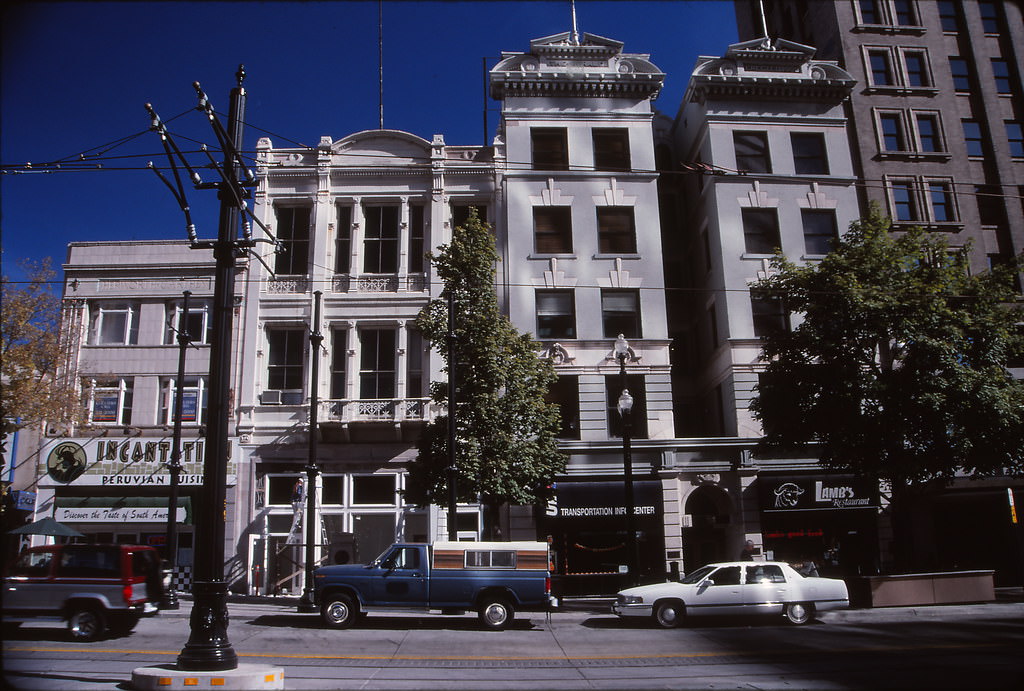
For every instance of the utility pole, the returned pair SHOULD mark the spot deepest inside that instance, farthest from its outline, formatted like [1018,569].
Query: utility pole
[307,603]
[208,648]
[170,598]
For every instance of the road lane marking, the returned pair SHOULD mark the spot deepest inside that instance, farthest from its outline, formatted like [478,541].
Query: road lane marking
[539,658]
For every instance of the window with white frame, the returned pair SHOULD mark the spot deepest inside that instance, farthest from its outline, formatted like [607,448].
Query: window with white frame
[820,230]
[377,349]
[380,239]
[760,230]
[417,239]
[292,230]
[415,355]
[973,139]
[286,352]
[900,13]
[115,323]
[556,314]
[809,154]
[898,67]
[110,401]
[616,230]
[892,131]
[198,324]
[339,362]
[752,154]
[1015,137]
[193,400]
[343,241]
[923,200]
[620,312]
[928,128]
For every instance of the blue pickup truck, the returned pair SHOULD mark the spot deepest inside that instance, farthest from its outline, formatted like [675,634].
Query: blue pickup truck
[495,579]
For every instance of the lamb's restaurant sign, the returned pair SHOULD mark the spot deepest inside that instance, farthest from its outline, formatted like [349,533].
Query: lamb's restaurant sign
[133,462]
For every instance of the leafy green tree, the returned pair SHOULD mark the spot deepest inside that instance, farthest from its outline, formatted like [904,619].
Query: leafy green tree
[506,433]
[898,369]
[31,351]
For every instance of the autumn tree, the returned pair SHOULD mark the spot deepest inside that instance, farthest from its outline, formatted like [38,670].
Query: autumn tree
[506,448]
[898,369]
[31,350]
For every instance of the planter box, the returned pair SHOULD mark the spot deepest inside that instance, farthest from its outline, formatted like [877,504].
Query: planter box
[943,588]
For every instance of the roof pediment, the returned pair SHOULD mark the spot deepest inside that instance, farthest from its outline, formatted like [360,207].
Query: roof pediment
[383,144]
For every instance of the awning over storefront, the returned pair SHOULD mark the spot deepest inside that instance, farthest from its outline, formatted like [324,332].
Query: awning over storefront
[581,501]
[815,492]
[120,510]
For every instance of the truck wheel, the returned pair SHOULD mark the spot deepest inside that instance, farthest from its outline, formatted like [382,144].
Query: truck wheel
[496,613]
[339,611]
[86,623]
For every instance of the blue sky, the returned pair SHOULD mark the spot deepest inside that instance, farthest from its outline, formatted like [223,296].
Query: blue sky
[75,78]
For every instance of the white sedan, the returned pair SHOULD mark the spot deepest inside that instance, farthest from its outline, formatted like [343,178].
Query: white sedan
[735,588]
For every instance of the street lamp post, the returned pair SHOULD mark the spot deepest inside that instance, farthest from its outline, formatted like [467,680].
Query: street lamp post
[307,603]
[170,598]
[625,408]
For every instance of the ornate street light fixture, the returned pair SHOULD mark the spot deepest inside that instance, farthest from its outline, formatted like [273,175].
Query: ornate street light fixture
[625,408]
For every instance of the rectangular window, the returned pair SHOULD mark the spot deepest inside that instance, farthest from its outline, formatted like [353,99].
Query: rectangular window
[891,127]
[769,314]
[377,348]
[380,240]
[417,249]
[880,68]
[616,231]
[285,360]
[948,17]
[292,231]
[1015,137]
[115,323]
[620,313]
[752,152]
[961,73]
[870,11]
[460,213]
[904,14]
[1001,73]
[611,149]
[339,362]
[376,490]
[550,148]
[414,384]
[929,137]
[989,16]
[943,207]
[916,64]
[198,325]
[111,401]
[552,229]
[904,202]
[991,211]
[972,138]
[636,386]
[565,393]
[556,314]
[820,230]
[343,241]
[809,155]
[761,231]
[193,400]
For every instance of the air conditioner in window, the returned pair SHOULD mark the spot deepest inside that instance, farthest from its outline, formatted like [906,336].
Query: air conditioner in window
[271,397]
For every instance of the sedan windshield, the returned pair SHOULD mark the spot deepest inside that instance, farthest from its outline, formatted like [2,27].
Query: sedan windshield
[698,575]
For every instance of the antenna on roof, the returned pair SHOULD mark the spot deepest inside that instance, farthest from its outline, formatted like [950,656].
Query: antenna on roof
[380,62]
[764,20]
[574,38]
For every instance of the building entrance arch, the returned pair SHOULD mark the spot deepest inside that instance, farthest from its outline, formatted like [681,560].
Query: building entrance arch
[706,538]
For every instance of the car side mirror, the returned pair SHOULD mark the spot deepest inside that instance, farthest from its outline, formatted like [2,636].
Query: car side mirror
[706,582]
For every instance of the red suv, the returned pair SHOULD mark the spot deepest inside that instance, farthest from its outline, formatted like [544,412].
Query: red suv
[94,588]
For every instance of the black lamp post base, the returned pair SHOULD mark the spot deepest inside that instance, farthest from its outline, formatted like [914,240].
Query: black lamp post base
[208,648]
[169,600]
[307,603]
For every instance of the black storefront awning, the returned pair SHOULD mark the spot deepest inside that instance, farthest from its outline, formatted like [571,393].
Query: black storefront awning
[815,492]
[586,501]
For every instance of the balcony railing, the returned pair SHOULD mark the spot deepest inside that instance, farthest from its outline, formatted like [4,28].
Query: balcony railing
[377,409]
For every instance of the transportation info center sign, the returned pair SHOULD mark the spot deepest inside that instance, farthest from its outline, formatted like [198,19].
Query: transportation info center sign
[133,462]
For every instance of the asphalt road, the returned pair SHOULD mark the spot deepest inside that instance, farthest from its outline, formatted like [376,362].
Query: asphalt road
[951,647]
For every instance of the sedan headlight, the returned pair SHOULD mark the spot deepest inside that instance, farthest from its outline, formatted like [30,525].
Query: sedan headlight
[630,600]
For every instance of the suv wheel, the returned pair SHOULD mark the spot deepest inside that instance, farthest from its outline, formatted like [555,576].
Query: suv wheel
[86,623]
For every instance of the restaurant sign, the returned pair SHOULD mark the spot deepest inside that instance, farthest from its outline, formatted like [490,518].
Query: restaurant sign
[133,462]
[783,493]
